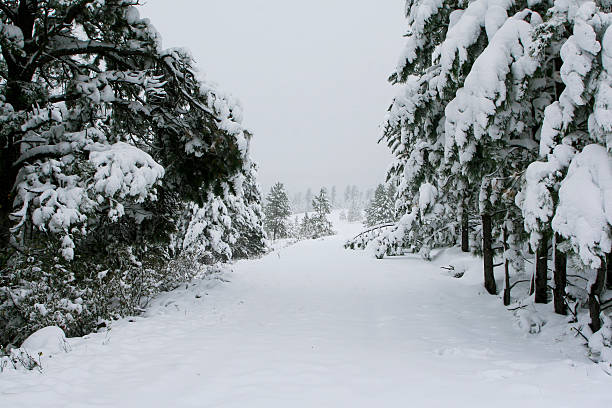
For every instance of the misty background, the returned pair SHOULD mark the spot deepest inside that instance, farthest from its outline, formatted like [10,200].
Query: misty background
[311,77]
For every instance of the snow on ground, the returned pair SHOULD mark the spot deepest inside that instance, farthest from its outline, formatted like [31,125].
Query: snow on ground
[314,325]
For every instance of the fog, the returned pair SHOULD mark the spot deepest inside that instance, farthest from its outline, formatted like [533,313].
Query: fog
[311,77]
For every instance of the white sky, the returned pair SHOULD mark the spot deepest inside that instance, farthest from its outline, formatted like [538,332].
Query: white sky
[311,77]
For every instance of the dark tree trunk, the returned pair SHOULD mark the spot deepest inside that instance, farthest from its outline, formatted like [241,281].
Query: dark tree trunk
[506,271]
[560,277]
[465,236]
[609,271]
[487,254]
[594,293]
[17,94]
[541,274]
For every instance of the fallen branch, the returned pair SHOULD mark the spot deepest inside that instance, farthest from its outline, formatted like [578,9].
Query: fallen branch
[580,333]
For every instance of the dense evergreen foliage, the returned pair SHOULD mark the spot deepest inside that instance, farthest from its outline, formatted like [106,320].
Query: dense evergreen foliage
[123,173]
[381,209]
[501,133]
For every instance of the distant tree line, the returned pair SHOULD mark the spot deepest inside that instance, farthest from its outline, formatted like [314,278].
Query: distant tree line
[313,224]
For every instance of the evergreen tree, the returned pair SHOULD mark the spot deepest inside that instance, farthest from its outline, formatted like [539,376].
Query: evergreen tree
[277,211]
[381,209]
[502,118]
[307,229]
[248,218]
[114,158]
[320,225]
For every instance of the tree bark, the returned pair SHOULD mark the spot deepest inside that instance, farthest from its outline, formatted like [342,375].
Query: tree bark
[465,236]
[594,293]
[506,271]
[541,274]
[560,278]
[18,97]
[487,254]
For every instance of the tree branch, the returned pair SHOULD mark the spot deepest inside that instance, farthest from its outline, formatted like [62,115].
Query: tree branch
[7,10]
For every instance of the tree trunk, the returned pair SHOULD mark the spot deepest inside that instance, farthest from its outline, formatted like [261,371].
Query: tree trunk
[560,277]
[541,274]
[19,97]
[487,254]
[594,293]
[609,271]
[506,271]
[465,236]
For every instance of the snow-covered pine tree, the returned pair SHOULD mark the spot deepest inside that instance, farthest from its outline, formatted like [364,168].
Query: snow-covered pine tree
[320,224]
[480,85]
[574,146]
[489,126]
[248,217]
[277,211]
[306,228]
[413,128]
[229,225]
[106,139]
[381,210]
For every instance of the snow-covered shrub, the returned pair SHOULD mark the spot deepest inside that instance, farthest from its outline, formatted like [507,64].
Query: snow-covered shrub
[600,343]
[362,240]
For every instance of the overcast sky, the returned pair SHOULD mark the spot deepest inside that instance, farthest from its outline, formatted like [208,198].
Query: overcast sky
[311,77]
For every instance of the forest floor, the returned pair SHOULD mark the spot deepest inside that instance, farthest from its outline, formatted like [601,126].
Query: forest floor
[315,325]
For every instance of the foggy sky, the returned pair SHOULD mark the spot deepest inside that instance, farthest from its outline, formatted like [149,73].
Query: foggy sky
[311,77]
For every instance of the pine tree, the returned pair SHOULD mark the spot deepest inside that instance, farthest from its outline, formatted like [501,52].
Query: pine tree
[381,209]
[277,211]
[320,225]
[111,150]
[501,108]
[248,218]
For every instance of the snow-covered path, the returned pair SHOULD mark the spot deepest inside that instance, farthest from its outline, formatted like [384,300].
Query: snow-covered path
[315,325]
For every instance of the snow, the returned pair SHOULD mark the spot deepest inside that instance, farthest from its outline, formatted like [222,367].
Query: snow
[427,196]
[315,325]
[48,341]
[584,212]
[419,15]
[484,91]
[125,170]
[465,32]
[535,198]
